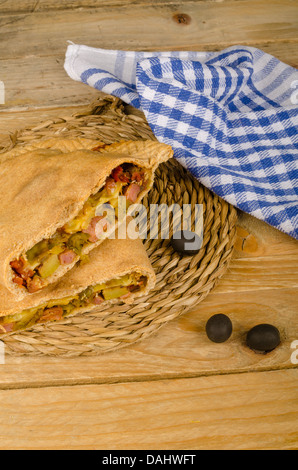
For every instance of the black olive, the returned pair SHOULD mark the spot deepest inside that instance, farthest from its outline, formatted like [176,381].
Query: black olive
[219,328]
[263,338]
[186,242]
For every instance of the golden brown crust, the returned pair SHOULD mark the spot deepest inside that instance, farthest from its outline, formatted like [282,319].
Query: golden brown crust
[45,188]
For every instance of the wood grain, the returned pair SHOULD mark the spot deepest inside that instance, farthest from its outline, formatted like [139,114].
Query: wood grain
[33,6]
[45,33]
[33,43]
[175,390]
[264,259]
[259,411]
[54,88]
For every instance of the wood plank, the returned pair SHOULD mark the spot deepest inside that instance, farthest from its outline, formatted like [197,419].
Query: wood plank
[33,6]
[28,81]
[44,33]
[264,258]
[179,349]
[206,410]
[243,411]
[33,47]
[40,82]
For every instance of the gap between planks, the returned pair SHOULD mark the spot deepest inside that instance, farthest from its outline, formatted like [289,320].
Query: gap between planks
[140,379]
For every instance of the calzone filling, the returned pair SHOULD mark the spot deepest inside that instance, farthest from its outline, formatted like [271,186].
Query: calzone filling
[33,268]
[56,310]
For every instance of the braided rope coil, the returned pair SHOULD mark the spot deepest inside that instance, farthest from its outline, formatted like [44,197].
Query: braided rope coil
[182,282]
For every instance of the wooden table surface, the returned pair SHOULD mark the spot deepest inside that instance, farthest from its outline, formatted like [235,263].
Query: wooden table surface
[175,390]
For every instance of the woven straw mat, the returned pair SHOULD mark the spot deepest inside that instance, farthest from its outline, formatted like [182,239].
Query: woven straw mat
[182,282]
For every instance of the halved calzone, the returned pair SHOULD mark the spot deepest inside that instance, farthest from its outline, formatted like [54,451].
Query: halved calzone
[49,205]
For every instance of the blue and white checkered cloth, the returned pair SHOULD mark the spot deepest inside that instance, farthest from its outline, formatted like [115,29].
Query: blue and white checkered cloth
[230,116]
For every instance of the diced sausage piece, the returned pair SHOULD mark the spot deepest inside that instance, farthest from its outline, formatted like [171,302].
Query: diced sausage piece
[93,230]
[98,299]
[18,280]
[35,284]
[116,173]
[6,328]
[51,314]
[132,191]
[67,257]
[17,265]
[20,269]
[110,186]
[137,176]
[119,175]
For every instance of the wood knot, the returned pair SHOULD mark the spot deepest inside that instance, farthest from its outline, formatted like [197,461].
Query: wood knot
[245,241]
[182,18]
